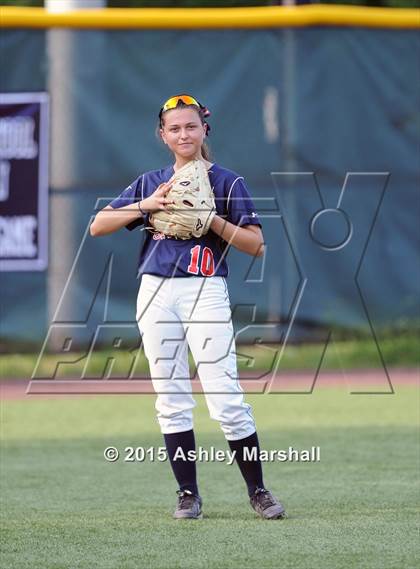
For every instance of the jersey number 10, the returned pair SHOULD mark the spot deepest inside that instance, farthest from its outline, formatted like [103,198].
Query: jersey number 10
[205,266]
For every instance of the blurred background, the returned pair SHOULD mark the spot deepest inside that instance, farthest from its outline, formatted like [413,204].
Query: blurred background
[319,101]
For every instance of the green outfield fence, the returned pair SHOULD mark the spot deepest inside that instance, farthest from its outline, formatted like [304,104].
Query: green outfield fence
[325,90]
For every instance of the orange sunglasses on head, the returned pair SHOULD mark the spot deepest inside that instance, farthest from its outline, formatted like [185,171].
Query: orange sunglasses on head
[187,100]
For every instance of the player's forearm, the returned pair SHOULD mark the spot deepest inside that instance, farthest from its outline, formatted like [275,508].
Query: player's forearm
[109,220]
[243,239]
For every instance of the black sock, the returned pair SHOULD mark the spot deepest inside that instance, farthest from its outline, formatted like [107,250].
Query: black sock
[184,470]
[251,470]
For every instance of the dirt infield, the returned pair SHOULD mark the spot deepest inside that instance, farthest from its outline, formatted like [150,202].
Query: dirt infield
[356,381]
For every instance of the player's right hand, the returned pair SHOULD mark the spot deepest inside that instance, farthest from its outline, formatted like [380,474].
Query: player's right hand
[157,201]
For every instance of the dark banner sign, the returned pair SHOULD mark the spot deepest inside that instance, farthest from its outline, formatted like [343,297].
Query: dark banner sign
[23,181]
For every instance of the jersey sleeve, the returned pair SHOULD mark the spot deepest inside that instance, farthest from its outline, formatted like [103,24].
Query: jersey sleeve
[129,196]
[240,206]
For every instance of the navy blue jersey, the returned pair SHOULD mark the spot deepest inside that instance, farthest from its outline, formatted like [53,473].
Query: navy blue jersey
[204,256]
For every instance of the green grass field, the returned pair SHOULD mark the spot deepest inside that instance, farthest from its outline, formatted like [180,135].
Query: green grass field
[65,507]
[398,350]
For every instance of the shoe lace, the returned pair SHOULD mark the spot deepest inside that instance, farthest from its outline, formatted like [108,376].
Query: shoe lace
[264,498]
[185,498]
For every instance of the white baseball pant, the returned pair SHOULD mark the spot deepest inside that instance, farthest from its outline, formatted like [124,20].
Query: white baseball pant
[172,314]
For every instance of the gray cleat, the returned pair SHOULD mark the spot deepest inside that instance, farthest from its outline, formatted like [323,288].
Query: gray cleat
[189,506]
[266,505]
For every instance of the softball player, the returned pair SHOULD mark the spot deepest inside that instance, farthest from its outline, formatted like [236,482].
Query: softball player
[183,302]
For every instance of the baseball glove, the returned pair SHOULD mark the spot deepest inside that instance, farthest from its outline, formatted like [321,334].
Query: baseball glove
[194,207]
